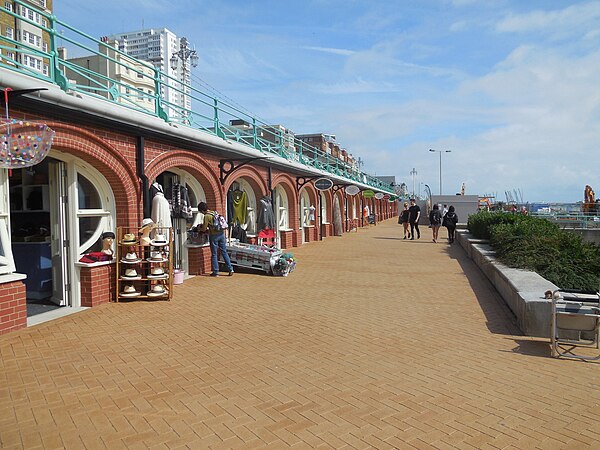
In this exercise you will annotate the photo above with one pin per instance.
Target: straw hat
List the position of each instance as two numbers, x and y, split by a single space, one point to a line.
131 258
158 290
159 240
158 273
129 238
156 257
147 223
131 274
130 291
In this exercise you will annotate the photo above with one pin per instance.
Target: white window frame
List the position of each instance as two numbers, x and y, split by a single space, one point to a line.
323 211
107 213
7 262
304 209
281 208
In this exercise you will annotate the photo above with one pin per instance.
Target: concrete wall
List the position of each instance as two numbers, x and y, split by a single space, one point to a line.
523 291
464 205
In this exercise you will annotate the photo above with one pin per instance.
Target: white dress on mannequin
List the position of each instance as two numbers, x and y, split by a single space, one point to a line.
161 213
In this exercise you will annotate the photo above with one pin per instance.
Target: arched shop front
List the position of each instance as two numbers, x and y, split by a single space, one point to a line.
242 210
183 192
58 209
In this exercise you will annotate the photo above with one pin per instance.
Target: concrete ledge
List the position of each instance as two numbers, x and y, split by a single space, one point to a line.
522 290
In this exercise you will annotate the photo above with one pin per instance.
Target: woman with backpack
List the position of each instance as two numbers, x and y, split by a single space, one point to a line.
216 225
435 221
450 221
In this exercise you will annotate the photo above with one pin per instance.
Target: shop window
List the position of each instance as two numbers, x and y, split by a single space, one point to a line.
323 207
94 212
88 195
281 209
7 264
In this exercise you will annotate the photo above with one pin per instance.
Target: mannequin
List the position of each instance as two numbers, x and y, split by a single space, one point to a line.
108 237
147 226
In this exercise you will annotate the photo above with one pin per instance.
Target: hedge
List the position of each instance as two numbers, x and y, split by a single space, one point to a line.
536 244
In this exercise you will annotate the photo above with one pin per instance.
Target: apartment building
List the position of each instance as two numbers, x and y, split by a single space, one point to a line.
159 46
112 75
21 24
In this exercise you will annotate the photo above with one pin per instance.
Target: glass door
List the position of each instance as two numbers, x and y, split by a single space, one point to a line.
59 232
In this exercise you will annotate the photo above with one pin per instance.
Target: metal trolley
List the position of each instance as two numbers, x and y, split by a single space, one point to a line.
575 323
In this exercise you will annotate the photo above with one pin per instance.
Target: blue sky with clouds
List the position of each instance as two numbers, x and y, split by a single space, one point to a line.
511 87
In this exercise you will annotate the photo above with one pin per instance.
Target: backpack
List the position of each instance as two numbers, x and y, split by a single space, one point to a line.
219 223
450 219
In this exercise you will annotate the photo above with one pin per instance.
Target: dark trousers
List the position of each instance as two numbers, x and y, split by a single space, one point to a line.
451 233
414 226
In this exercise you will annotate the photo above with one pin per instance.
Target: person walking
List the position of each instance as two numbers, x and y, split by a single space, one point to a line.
449 221
435 221
403 219
414 212
216 238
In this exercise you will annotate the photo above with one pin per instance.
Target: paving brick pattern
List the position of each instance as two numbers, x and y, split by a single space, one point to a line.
373 342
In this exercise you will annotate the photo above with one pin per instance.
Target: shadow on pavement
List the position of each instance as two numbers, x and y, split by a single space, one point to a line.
532 348
499 318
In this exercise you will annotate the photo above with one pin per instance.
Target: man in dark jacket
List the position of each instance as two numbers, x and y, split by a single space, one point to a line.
414 212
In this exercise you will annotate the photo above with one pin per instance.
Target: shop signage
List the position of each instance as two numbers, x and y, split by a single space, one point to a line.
379 195
368 194
323 184
386 197
352 189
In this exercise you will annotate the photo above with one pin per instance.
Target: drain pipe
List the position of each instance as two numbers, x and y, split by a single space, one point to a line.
141 173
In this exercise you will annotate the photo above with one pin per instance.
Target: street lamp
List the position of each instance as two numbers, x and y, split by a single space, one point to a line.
413 173
440 152
184 54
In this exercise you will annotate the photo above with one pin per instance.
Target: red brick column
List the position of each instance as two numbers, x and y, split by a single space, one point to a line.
287 238
199 260
310 234
297 238
98 284
13 306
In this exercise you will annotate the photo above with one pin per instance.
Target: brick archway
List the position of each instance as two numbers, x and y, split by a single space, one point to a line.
288 184
256 177
197 167
108 161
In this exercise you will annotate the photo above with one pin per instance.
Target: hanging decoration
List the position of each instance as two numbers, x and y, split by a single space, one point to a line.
23 143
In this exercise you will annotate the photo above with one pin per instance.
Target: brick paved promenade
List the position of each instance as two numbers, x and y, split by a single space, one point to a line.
373 342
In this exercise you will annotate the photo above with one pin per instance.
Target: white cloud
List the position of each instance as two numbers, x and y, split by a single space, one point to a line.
567 19
335 51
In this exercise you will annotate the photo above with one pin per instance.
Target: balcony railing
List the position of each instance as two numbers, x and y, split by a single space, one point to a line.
77 62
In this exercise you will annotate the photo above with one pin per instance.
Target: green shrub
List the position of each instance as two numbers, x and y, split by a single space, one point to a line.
539 245
479 224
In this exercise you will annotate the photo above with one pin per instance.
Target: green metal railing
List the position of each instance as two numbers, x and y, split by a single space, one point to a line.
95 68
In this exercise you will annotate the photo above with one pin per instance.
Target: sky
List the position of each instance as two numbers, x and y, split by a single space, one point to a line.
510 87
